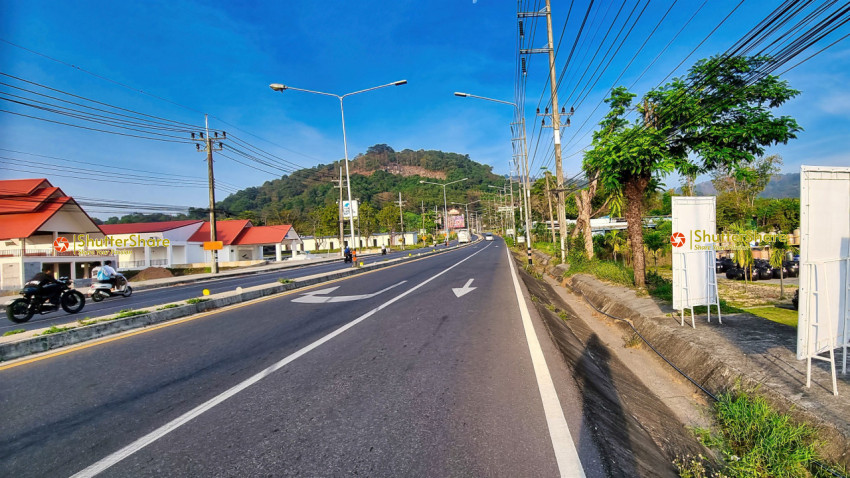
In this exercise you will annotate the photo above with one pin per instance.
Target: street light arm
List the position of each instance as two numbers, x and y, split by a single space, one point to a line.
280 87
395 83
467 95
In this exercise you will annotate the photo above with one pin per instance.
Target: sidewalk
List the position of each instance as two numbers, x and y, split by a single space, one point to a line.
744 349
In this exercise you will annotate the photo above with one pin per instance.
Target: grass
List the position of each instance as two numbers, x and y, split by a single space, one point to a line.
123 313
776 314
605 270
196 300
755 441
662 288
56 330
284 281
13 332
168 306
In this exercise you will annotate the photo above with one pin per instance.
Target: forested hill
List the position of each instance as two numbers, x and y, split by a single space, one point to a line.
376 177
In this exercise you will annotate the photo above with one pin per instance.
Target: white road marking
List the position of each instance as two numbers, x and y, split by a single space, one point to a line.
169 427
317 297
462 291
562 442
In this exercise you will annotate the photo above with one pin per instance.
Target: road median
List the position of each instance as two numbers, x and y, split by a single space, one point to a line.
92 328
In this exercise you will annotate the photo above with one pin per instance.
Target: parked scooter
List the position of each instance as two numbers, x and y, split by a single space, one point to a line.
101 289
41 298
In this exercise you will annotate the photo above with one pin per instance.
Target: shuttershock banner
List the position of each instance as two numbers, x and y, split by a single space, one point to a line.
457 222
693 216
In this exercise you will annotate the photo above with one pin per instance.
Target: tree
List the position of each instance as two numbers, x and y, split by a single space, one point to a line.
367 220
656 244
615 241
743 251
388 218
717 117
778 251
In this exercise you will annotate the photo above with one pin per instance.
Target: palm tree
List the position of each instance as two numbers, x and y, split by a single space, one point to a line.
615 241
778 251
743 252
655 243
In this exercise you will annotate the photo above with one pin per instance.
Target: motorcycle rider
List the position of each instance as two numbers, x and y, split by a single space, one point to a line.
45 281
111 274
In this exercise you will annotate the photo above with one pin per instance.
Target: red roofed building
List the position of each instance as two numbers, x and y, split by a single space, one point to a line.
38 224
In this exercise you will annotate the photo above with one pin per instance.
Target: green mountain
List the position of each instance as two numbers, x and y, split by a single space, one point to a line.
780 186
377 177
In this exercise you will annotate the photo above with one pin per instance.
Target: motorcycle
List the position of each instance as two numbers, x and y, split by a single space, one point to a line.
101 289
348 257
45 298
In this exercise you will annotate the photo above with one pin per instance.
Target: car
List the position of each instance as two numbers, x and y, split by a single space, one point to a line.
488 236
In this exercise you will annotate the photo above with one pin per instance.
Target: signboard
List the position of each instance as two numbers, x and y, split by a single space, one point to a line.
824 306
505 208
457 222
349 208
213 245
694 280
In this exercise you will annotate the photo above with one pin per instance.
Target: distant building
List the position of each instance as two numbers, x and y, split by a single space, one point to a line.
38 223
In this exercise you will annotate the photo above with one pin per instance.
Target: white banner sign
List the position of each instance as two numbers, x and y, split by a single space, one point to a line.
824 305
349 207
693 262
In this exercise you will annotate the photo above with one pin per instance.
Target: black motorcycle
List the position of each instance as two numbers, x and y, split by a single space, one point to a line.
43 298
348 257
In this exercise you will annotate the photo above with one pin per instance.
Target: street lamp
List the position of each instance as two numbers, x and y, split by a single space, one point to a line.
445 208
281 88
466 205
524 154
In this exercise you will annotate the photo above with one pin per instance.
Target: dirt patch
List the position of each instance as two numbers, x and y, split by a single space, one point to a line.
152 273
751 294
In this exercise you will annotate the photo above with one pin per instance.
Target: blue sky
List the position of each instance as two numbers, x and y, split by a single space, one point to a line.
219 58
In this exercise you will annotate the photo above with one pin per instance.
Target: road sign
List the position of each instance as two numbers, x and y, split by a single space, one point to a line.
505 209
349 208
213 245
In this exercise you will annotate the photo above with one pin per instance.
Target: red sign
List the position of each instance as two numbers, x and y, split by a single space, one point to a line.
677 239
60 244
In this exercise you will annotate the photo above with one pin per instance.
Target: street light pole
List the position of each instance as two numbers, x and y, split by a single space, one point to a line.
524 153
281 88
445 207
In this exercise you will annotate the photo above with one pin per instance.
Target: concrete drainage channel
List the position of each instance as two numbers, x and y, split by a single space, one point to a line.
98 327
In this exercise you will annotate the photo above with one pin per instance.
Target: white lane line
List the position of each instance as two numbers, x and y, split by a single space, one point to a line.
565 449
169 427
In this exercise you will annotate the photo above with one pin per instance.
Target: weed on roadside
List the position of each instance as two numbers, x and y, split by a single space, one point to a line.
196 300
755 441
168 306
534 298
551 307
13 332
563 315
695 467
56 330
128 313
632 342
284 281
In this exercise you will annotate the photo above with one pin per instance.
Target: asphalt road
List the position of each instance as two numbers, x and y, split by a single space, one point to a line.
154 297
389 374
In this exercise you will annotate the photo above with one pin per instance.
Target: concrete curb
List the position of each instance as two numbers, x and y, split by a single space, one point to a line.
717 370
109 326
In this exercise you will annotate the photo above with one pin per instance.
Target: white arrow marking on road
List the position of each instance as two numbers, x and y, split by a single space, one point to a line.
462 291
316 297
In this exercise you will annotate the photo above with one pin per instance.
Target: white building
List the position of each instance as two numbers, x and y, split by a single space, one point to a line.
38 224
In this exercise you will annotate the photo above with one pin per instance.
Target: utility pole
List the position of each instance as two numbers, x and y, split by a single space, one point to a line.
549 199
340 221
209 147
556 119
401 215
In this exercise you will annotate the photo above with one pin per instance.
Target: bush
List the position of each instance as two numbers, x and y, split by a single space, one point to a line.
605 270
